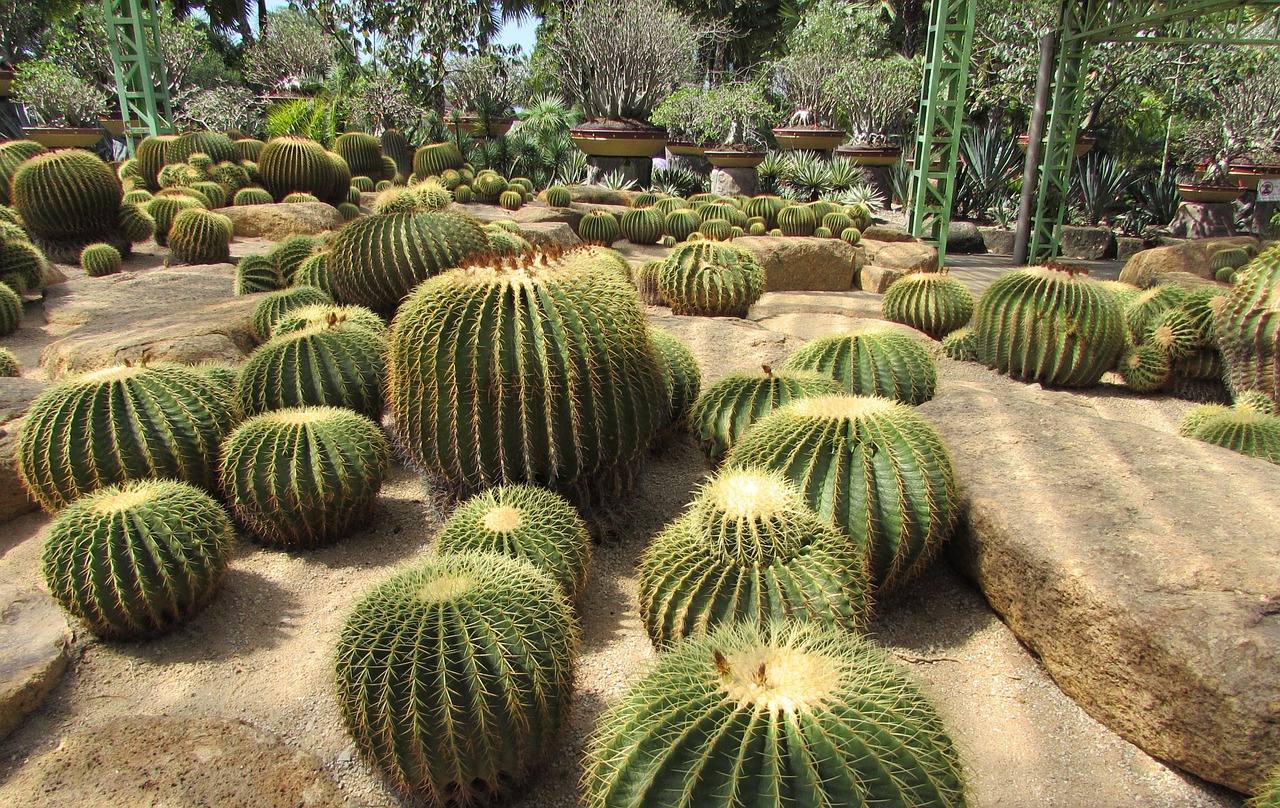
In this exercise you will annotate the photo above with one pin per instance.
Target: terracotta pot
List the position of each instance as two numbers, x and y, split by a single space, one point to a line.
808 137
598 141
1208 194
68 138
472 126
1248 176
870 156
732 158
6 83
684 147
1084 144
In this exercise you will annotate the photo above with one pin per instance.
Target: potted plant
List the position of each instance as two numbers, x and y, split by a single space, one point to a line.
726 122
874 99
810 126
481 91
66 107
291 60
1084 144
1243 120
684 114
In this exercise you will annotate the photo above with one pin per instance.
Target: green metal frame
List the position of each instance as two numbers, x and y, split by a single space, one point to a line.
133 36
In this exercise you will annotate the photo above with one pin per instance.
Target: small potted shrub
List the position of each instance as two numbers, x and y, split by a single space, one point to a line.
810 126
482 90
874 99
1243 121
66 106
726 123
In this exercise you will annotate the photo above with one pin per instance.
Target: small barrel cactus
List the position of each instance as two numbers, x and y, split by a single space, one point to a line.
289 254
9 366
256 273
119 424
836 449
302 478
960 345
488 187
314 271
872 360
137 560
749 549
348 211
1174 333
10 310
797 220
215 146
727 408
669 203
454 678
100 259
1249 325
599 227
716 229
558 196
711 280
822 232
276 304
152 157
305 317
1195 417
641 226
163 210
837 222
1145 368
680 374
681 222
1142 309
248 148
199 236
1248 432
134 224
793 714
525 522
766 207
646 278
14 153
329 363
511 200
1049 326
934 303
1254 401
1230 258
299 196
463 194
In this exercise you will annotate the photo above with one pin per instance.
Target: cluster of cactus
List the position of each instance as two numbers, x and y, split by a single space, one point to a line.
1171 338
164 208
789 714
9 365
137 560
932 302
120 424
726 409
454 678
1248 327
1225 263
100 259
200 236
301 478
535 368
275 305
711 280
872 360
488 186
23 266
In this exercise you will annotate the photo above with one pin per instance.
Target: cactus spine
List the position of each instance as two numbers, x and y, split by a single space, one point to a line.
711 280
872 360
934 303
256 273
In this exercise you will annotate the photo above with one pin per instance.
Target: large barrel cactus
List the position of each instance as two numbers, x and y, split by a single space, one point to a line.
872 360
362 154
711 280
1249 325
68 199
119 424
641 226
1246 431
434 159
727 408
599 227
137 560
289 164
301 478
454 678
791 715
680 373
526 522
215 145
872 466
932 302
1049 326
536 369
13 154
152 157
199 236
751 550
375 261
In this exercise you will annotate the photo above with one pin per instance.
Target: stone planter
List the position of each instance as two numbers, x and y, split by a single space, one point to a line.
472 126
1087 243
732 158
64 138
810 138
1248 176
684 148
1208 194
869 155
604 141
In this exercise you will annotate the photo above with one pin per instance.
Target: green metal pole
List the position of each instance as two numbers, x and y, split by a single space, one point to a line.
133 37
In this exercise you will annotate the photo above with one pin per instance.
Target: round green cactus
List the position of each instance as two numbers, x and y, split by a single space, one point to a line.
22 266
362 184
291 164
397 200
1201 364
119 424
275 305
100 259
1202 305
256 273
299 196
1145 368
836 449
1254 401
1174 333
751 550
377 260
1248 324
641 226
960 345
1226 275
681 222
724 411
302 478
10 310
436 158
872 360
489 186
454 678
67 199
289 254
1195 417
766 207
511 200
164 209
462 194
797 220
1248 432
305 317
253 196
680 374
724 210
711 279
362 153
151 156
837 222
1049 326
1143 308
599 227
792 714
314 271
199 236
224 376
716 229
1230 258
348 211
134 224
216 146
581 392
217 196
137 560
822 232
329 363
558 196
432 195
646 279
138 197
525 522
934 303
9 365
13 154
669 203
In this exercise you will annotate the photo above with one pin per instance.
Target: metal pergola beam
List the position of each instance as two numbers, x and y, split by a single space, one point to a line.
133 36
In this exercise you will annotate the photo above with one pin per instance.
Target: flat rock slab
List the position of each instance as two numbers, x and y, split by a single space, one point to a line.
531 213
725 345
173 761
809 315
278 221
908 256
805 264
16 396
184 314
33 655
549 234
1142 567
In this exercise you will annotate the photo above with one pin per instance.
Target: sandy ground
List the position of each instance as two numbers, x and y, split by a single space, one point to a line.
262 651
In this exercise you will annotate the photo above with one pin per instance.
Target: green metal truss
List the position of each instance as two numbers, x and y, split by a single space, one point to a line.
133 35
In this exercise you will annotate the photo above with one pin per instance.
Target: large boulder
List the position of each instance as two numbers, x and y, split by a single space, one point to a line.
806 264
279 221
178 314
549 234
34 637
998 240
1189 256
529 214
597 195
1141 567
16 396
877 279
908 256
1087 243
964 238
880 232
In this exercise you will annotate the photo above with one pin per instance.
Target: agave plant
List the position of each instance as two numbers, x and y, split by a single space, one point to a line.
678 182
990 162
615 181
1155 200
771 172
1098 187
862 194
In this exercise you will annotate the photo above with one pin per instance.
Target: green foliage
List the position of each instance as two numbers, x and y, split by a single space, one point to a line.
9 366
275 305
454 678
872 360
100 259
641 226
680 374
137 560
1249 432
327 364
725 410
711 280
56 96
729 114
788 714
10 310
198 236
934 303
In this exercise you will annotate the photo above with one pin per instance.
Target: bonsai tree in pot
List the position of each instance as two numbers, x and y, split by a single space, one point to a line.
65 107
1242 120
803 82
727 121
481 90
874 100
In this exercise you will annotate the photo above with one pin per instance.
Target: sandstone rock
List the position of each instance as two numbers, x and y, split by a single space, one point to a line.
809 315
597 195
999 240
34 637
179 314
638 254
16 396
1141 567
1188 256
1088 243
964 238
549 234
1129 246
814 264
277 222
143 760
725 345
906 256
529 214
879 232
583 208
877 279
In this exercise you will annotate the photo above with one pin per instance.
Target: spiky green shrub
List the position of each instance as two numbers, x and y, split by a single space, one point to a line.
1049 326
291 164
253 196
837 449
329 363
289 254
525 522
314 271
680 374
68 199
599 227
1248 432
322 313
9 365
275 305
362 153
1247 326
436 158
216 146
302 478
377 260
163 210
724 411
681 222
13 154
137 560
790 714
511 200
581 391
711 279
751 550
797 220
256 273
10 310
872 360
119 424
641 226
100 259
199 236
1145 368
454 678
934 303
558 196
960 345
